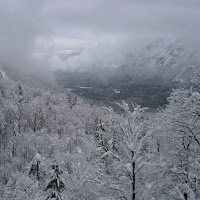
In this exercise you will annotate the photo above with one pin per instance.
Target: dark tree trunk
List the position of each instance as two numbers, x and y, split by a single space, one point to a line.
133 183
37 170
185 196
34 123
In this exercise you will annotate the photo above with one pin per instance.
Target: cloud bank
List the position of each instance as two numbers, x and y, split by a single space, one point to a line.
35 33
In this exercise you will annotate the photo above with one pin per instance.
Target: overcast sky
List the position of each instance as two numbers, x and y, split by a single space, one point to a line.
34 32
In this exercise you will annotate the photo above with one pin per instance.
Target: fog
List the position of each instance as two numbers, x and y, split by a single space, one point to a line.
33 34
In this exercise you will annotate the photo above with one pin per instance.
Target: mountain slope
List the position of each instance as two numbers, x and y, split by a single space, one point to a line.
145 78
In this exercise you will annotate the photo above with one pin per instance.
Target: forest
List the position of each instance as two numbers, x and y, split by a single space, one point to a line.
54 145
99 100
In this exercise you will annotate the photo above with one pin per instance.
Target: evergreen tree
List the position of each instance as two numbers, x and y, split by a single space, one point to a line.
56 184
37 168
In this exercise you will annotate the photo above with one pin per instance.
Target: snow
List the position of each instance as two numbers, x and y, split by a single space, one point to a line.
117 91
85 87
131 146
70 89
129 167
36 158
82 164
3 74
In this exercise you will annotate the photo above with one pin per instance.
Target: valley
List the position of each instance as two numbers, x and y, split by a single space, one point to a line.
146 79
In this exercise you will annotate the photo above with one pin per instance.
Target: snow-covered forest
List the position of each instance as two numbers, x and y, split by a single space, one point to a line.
99 100
53 145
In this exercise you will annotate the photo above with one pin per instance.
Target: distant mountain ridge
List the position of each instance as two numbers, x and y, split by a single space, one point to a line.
161 65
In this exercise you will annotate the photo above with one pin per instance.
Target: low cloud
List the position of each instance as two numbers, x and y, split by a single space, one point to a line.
34 33
20 26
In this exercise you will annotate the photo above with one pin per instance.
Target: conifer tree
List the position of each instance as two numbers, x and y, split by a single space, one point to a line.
37 168
56 184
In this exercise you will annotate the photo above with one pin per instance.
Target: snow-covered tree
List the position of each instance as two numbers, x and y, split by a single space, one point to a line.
182 148
132 135
72 100
37 168
56 184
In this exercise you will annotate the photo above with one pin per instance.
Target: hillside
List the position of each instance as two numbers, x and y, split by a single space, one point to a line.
41 127
53 145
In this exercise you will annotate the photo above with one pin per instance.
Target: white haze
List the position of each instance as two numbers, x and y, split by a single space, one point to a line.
34 33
